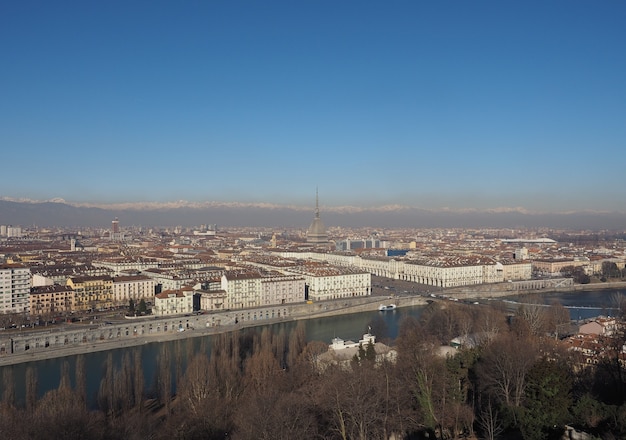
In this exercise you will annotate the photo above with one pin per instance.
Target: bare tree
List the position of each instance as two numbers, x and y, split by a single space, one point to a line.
164 377
81 379
503 366
31 388
558 319
297 342
489 422
138 380
618 301
105 392
260 369
8 387
490 322
196 387
355 403
534 315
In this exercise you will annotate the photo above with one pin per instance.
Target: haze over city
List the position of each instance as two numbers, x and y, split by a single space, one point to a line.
488 106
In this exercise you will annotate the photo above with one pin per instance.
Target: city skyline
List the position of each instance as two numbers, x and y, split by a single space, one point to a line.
482 107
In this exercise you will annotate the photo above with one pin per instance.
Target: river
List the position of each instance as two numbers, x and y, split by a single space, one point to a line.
347 327
582 305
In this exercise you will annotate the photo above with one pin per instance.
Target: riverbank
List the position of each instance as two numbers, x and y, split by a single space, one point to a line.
200 327
224 322
500 290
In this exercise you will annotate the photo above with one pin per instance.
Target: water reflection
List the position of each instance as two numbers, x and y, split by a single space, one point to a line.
347 327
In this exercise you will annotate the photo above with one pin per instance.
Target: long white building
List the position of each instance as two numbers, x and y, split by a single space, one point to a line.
249 289
441 272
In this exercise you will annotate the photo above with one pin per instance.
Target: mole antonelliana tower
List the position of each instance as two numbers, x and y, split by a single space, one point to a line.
317 230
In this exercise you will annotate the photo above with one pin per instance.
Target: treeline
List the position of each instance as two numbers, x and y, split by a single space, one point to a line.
516 381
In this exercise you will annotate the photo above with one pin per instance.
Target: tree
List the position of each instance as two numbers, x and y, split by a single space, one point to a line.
355 404
31 388
419 368
106 400
196 387
503 366
8 393
610 270
81 379
297 342
558 319
131 306
489 422
276 415
535 316
138 380
164 377
142 308
618 301
489 322
547 403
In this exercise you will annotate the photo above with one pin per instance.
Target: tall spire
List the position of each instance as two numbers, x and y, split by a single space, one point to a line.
317 230
317 205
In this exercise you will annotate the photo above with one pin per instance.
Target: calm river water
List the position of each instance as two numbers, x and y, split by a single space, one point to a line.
347 327
582 305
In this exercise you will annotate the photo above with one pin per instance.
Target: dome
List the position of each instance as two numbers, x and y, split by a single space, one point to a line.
317 231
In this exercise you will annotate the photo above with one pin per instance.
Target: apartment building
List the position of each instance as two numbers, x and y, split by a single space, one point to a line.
58 274
243 290
51 300
515 270
252 289
282 289
15 282
554 267
92 293
323 281
136 288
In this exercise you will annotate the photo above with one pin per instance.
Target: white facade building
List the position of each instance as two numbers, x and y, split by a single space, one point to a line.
136 288
15 283
280 289
246 290
440 272
517 271
173 302
14 231
332 282
212 300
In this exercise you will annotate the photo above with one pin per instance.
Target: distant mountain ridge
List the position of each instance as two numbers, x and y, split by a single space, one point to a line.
58 212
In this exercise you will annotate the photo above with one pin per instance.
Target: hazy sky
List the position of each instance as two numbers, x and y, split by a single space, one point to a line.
461 104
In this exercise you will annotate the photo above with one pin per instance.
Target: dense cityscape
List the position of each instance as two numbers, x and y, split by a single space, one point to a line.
167 272
67 292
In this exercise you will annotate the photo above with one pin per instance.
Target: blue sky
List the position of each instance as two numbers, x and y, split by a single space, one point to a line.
428 104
